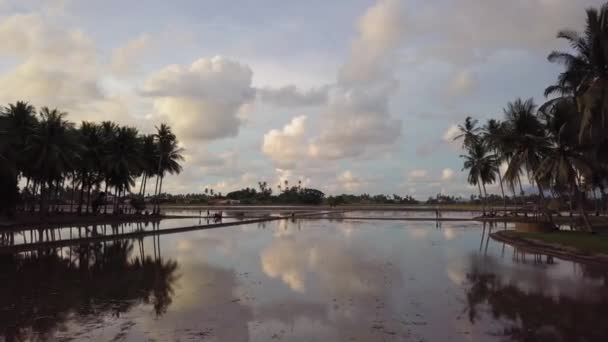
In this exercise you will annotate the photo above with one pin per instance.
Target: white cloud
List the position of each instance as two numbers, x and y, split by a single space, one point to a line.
418 175
357 119
125 58
447 175
291 96
463 83
450 133
286 146
202 101
470 30
56 67
61 68
381 31
349 181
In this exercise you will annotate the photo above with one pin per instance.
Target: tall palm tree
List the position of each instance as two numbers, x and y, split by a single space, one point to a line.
171 156
52 151
167 147
149 158
8 170
482 167
20 120
469 132
586 69
526 141
562 166
493 136
565 162
108 131
90 162
124 159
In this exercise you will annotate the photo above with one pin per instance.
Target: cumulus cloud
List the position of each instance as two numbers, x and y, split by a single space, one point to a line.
287 145
418 175
447 175
357 119
349 181
57 67
450 133
381 31
202 101
462 83
305 265
291 96
60 67
470 30
125 58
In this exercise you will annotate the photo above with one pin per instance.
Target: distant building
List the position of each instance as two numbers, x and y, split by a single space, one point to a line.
224 201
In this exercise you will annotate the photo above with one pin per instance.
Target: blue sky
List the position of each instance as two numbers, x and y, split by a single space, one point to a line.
347 96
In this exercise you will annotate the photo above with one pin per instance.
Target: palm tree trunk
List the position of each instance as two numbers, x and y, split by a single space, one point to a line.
521 190
143 180
81 199
60 190
143 193
73 193
483 206
546 212
581 207
27 184
486 196
89 196
603 199
160 188
105 202
502 191
43 208
115 206
596 202
155 194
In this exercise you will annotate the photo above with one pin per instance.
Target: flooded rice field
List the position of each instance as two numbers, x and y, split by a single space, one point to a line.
302 280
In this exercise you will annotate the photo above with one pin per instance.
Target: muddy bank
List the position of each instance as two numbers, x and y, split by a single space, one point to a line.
25 220
557 250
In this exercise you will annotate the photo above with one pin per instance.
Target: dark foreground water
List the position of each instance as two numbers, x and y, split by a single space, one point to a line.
308 280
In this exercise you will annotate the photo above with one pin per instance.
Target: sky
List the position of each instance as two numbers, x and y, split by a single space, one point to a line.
347 96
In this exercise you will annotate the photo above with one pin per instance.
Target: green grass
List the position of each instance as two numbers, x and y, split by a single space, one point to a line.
585 242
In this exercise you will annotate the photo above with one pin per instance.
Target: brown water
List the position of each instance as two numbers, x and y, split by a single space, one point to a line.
308 280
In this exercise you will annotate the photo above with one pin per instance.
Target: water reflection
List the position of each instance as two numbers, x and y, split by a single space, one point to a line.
40 291
300 280
533 314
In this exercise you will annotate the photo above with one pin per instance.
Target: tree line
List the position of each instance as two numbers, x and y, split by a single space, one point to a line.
50 155
561 147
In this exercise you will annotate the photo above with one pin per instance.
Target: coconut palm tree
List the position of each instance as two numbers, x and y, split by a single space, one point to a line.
108 131
167 147
562 166
124 159
493 137
526 141
90 162
469 132
565 161
482 167
52 151
8 170
20 120
149 158
586 69
171 156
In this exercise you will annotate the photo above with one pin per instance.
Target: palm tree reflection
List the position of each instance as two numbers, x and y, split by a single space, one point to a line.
41 291
536 314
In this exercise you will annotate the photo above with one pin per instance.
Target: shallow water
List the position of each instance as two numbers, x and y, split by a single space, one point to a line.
307 280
